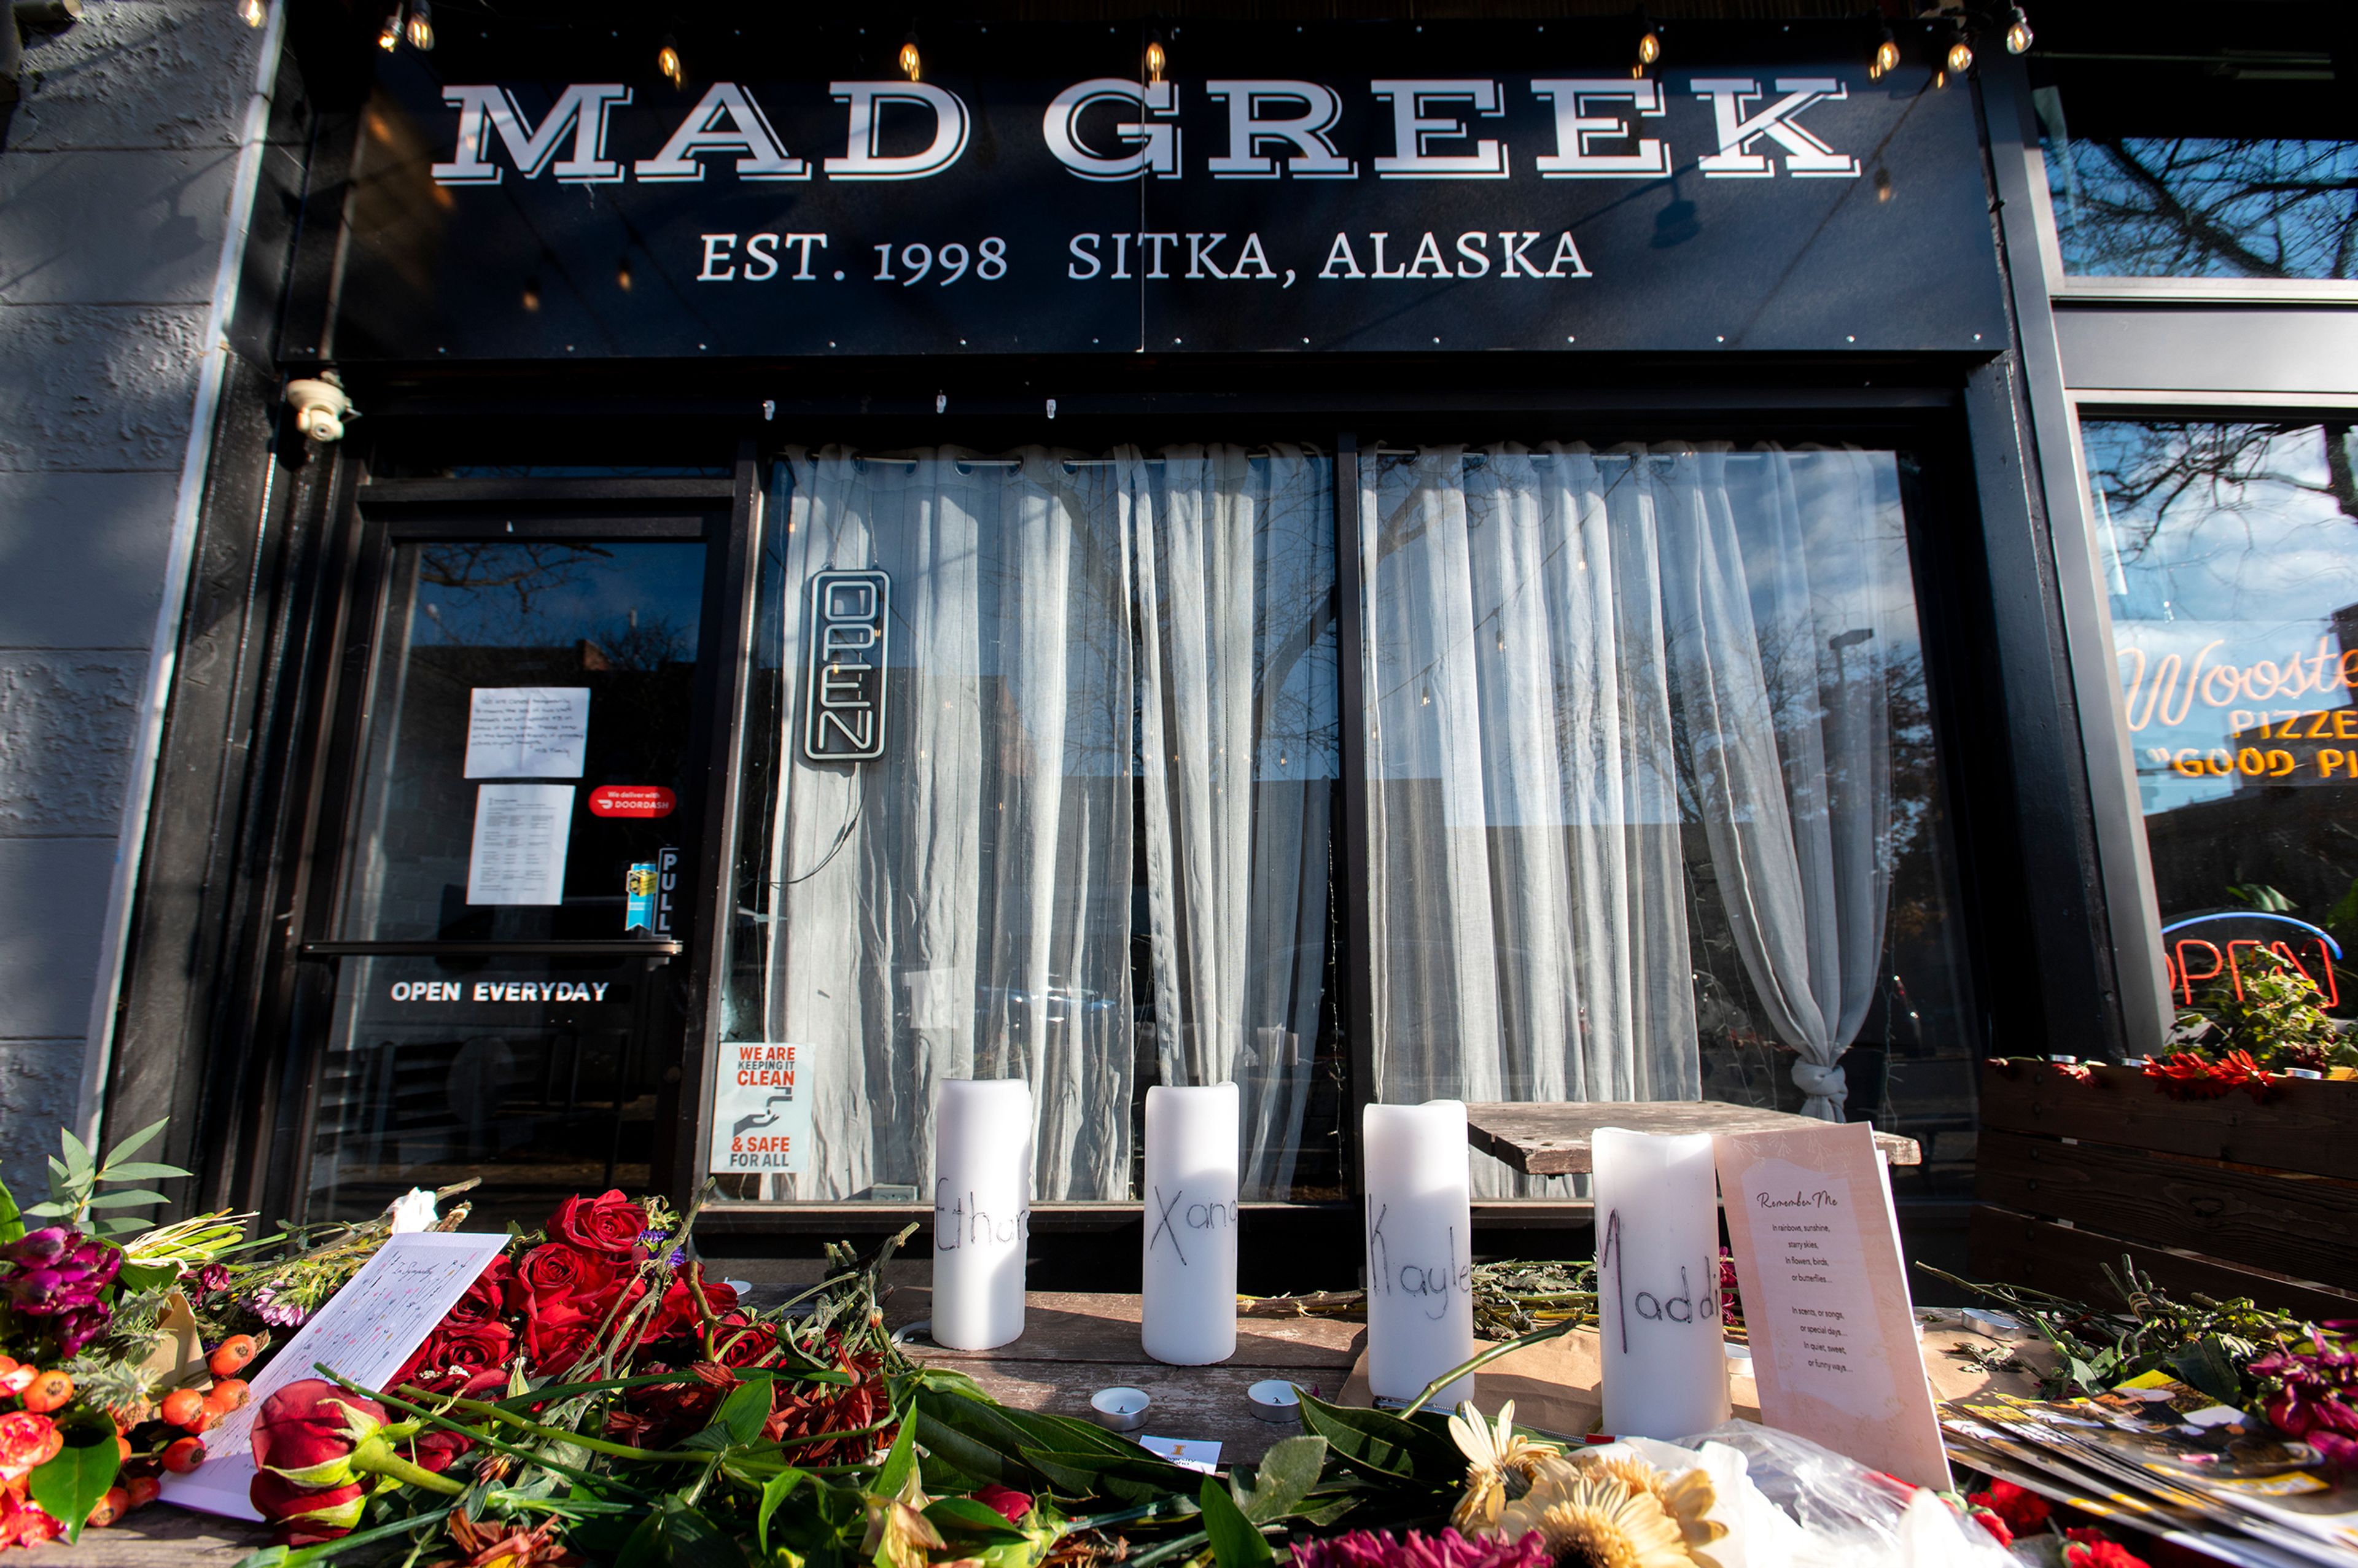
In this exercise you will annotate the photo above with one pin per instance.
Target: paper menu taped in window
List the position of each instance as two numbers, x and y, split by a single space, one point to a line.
527 731
366 1332
520 834
1834 1354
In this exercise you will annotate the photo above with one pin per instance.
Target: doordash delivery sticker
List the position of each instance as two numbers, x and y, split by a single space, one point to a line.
632 800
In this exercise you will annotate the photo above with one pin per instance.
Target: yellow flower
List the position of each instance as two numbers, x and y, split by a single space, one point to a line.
1593 1522
1686 1496
1499 1465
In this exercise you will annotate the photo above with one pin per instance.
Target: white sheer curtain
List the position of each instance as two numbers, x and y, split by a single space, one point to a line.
961 908
1238 741
1783 571
1525 895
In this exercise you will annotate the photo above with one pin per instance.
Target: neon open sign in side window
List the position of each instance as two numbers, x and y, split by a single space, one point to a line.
844 711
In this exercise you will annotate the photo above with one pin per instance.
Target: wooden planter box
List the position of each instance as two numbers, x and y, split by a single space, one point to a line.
2228 1196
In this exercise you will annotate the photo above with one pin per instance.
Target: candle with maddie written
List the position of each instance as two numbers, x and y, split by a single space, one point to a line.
982 1210
1188 1316
1659 1332
1419 1221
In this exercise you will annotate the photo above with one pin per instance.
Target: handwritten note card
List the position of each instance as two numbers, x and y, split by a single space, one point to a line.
527 731
1825 1296
365 1332
521 833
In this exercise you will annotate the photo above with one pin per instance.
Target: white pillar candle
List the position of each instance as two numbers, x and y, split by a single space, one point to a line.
982 1210
1420 1222
1665 1374
1189 1313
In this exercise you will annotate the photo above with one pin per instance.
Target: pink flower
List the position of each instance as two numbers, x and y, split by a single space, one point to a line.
1443 1548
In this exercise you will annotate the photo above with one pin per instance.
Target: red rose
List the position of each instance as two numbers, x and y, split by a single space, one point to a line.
2092 1549
1995 1526
306 1515
306 1432
462 1358
437 1448
486 1298
678 1313
26 1440
560 1273
552 1345
23 1523
1004 1500
609 1224
2021 1508
743 1344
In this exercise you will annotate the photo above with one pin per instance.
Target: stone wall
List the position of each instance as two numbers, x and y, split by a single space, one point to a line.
119 182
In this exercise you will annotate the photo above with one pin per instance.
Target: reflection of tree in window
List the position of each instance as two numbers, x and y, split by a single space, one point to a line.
2147 474
503 581
2203 207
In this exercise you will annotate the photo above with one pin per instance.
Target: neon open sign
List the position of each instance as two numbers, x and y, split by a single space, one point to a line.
844 713
2183 952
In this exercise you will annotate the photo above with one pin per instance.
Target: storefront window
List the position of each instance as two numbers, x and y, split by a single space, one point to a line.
1652 807
2231 555
2129 203
1093 848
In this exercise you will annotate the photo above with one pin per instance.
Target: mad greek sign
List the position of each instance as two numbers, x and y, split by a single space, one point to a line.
1449 187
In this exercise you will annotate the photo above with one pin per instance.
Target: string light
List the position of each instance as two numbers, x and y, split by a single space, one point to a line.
389 39
252 13
531 294
909 61
1886 55
622 279
1961 57
667 62
420 31
2019 35
1649 42
1154 60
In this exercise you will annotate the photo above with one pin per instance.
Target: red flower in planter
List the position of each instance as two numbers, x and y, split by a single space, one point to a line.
610 1225
2186 1076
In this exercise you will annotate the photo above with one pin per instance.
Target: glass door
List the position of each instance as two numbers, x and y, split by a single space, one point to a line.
502 989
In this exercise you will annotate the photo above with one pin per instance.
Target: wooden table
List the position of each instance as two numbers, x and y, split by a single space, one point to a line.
1553 1139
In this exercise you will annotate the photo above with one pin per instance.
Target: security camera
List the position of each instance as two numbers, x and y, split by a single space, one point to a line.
321 406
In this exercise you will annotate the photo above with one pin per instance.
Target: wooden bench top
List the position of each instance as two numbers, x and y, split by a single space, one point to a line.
1553 1139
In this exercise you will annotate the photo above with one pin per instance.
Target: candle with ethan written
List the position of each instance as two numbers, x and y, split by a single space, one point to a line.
982 1210
1658 1331
1188 1316
1420 1222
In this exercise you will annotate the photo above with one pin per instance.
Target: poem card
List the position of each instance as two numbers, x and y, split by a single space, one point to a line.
527 731
365 1332
1825 1296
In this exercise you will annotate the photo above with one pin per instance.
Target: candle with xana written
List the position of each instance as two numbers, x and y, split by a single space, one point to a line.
982 1210
1189 1314
1420 1222
1659 1333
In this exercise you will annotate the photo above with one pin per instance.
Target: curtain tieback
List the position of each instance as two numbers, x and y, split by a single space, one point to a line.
1823 1080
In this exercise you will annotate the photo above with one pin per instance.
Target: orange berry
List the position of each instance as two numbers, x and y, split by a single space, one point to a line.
122 1444
144 1489
231 1355
230 1393
47 1391
183 1454
111 1506
184 1406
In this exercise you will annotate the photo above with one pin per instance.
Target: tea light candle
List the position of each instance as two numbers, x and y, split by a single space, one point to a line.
1659 1333
982 1210
1188 1315
1119 1409
1275 1399
1420 1226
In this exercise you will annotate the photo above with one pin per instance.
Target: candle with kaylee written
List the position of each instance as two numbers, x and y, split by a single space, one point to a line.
1189 1312
1659 1333
982 1210
1419 1267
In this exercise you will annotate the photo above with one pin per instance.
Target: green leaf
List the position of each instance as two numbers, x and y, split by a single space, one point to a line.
50 1210
2204 1364
139 1197
136 1278
1235 1543
963 1516
136 1140
970 1454
1326 1513
643 1548
77 1159
774 1492
70 1486
12 1223
1286 1475
899 1463
744 1412
142 1171
1380 1446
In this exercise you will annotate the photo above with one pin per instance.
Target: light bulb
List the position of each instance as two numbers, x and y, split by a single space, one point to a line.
1960 58
909 61
1886 55
389 39
420 31
1649 48
1154 58
532 294
252 13
667 62
623 275
2019 35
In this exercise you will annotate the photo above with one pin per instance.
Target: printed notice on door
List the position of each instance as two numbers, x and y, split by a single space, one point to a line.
527 731
1825 1296
761 1109
520 831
